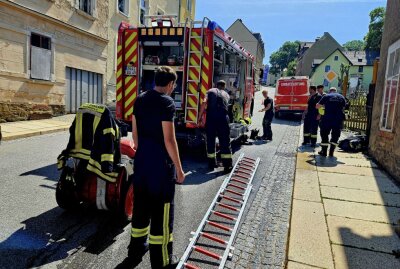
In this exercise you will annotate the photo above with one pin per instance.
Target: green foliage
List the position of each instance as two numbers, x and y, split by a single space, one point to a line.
374 36
291 69
281 58
354 45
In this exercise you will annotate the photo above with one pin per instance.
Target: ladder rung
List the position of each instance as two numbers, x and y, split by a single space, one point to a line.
193 51
190 266
228 207
222 215
247 169
243 172
244 162
220 226
191 80
194 66
239 181
214 238
231 199
207 253
195 37
247 158
234 192
236 186
236 175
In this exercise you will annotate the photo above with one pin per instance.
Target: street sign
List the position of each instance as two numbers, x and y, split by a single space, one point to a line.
330 76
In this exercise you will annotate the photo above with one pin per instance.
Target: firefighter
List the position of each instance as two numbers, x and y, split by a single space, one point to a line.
268 116
311 118
217 125
157 167
320 90
332 121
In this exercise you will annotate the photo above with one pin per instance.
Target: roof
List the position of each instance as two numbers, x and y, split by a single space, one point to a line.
317 61
306 44
361 58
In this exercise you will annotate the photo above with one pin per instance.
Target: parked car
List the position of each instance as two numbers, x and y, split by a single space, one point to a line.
291 95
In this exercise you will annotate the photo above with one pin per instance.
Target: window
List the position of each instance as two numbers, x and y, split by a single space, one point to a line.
189 5
391 87
336 58
359 60
360 69
144 10
41 56
327 68
123 6
326 83
87 6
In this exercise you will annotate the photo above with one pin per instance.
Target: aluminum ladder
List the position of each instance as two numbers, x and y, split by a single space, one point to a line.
231 197
200 38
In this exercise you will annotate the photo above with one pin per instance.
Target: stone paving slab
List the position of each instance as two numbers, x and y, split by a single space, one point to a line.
361 171
363 234
361 196
361 211
309 241
345 161
304 161
378 184
296 265
349 155
353 258
306 185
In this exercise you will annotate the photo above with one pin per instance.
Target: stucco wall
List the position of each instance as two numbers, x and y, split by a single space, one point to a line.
70 48
384 145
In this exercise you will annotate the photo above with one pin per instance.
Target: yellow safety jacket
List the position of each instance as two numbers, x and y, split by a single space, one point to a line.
94 137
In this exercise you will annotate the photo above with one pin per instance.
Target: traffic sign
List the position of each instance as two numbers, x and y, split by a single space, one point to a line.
330 76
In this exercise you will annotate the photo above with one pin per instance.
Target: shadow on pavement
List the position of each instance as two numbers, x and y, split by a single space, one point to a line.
49 172
52 235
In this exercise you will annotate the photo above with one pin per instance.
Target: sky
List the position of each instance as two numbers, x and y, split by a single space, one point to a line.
289 20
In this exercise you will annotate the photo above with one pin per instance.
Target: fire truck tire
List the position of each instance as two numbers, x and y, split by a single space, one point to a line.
66 194
126 200
278 115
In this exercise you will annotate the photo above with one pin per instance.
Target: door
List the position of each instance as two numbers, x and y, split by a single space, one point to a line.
299 95
82 87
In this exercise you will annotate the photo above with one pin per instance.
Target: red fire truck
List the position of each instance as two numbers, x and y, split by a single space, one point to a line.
201 53
291 95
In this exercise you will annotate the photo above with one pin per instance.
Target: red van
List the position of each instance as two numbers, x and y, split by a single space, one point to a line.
291 95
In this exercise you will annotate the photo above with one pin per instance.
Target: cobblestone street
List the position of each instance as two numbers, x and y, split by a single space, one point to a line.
261 242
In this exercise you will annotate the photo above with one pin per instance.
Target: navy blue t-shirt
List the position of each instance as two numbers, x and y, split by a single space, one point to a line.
334 105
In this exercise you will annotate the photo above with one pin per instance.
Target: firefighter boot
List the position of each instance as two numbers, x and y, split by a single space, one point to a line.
323 151
331 150
212 163
134 257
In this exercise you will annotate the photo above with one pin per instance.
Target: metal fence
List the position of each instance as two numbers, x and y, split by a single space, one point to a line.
357 116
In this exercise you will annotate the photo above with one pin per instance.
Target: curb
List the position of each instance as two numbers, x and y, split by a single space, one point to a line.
33 133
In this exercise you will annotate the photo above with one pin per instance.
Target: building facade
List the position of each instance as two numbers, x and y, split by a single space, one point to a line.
250 41
384 143
310 52
53 56
58 54
360 71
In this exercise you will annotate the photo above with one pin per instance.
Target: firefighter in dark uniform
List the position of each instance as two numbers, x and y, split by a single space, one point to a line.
217 125
320 90
311 118
332 121
157 167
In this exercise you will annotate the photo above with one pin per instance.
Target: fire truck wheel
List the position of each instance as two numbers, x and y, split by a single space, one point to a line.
66 193
278 115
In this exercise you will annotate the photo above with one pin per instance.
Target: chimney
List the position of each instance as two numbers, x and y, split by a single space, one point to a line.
318 38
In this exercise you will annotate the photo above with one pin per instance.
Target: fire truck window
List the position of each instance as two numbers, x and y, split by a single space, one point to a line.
165 55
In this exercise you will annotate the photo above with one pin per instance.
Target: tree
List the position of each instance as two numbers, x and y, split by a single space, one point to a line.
354 45
281 58
374 36
291 69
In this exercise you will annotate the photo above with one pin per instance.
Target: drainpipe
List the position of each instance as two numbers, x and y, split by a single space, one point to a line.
179 11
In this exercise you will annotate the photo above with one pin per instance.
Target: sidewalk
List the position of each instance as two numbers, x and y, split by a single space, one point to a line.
23 129
344 213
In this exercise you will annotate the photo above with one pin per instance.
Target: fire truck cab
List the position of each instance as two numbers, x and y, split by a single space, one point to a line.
201 53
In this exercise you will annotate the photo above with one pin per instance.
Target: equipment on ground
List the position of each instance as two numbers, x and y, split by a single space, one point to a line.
201 53
354 143
79 185
223 216
291 95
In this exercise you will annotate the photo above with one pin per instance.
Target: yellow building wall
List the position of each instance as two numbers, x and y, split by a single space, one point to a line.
71 47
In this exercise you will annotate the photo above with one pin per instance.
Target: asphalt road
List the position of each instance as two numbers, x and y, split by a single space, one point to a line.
35 232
